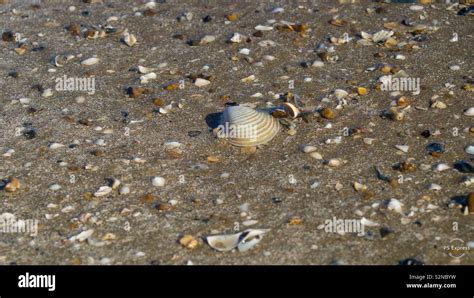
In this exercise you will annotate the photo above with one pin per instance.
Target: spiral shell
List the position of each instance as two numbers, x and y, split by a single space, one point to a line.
246 127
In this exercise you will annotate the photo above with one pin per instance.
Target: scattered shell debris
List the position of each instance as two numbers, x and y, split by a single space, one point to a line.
130 131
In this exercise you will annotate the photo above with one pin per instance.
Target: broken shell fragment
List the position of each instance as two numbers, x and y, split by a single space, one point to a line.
243 241
246 127
90 61
13 185
149 76
144 70
469 112
103 191
291 109
381 36
129 39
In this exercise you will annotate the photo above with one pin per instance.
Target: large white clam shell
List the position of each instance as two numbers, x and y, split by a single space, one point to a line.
246 127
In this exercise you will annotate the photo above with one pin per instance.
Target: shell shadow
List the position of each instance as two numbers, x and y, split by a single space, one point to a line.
213 120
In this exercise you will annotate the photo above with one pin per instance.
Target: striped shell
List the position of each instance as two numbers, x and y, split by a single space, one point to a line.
263 126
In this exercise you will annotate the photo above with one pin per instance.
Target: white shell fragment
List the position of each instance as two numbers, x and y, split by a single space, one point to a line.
236 38
207 39
381 36
90 61
340 94
158 181
403 148
103 191
395 205
144 70
469 149
263 28
246 127
469 112
291 109
129 39
308 148
201 82
441 167
149 76
82 236
56 145
368 223
243 241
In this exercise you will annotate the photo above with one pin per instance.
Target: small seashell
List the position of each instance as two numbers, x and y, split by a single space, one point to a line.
291 109
144 70
149 76
368 141
56 145
103 191
242 241
454 67
246 127
188 241
54 187
469 149
263 28
47 92
434 187
441 167
244 51
467 181
236 38
90 61
340 94
334 162
394 114
232 17
172 145
59 60
328 113
248 79
201 82
416 7
158 181
207 39
381 36
12 185
25 100
359 187
317 64
124 190
278 10
403 148
469 112
395 205
129 39
316 155
368 223
82 236
308 148
267 43
366 35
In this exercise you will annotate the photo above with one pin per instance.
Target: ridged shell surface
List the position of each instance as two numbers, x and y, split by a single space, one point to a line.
260 126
